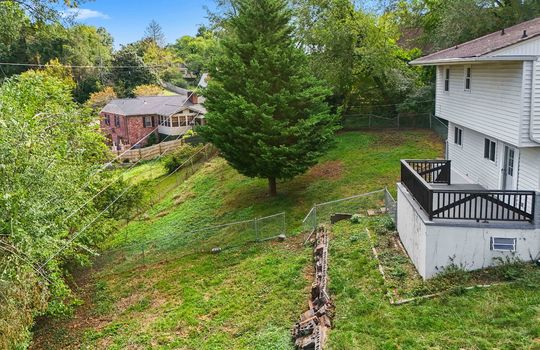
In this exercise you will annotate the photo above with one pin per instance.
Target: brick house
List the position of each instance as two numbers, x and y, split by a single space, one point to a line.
129 122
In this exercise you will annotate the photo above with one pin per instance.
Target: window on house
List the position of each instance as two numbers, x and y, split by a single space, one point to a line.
468 78
117 121
147 121
489 149
447 79
107 119
175 122
458 136
503 244
510 165
165 121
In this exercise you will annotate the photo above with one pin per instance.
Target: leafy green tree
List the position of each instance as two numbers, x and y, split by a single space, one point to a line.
130 71
164 62
441 23
99 99
267 114
48 149
148 90
197 52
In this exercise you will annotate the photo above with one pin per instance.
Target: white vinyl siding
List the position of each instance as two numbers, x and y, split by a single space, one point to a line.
468 160
529 47
529 169
534 108
526 105
492 106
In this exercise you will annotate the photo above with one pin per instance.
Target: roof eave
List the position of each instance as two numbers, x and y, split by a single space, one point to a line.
458 60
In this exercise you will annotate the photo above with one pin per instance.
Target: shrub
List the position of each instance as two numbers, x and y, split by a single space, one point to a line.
356 219
152 140
509 268
174 160
387 222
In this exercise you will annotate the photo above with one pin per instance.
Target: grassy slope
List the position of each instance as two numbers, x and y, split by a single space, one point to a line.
501 317
244 298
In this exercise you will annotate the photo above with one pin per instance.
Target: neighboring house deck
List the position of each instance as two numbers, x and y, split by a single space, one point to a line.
481 203
129 122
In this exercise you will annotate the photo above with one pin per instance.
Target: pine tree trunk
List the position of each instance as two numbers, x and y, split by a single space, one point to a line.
272 187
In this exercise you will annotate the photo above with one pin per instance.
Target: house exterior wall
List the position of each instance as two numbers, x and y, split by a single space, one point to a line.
468 159
412 230
492 105
432 247
533 115
184 120
137 130
130 130
470 247
529 169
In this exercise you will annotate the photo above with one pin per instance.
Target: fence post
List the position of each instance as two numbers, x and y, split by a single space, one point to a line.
284 228
398 121
369 122
430 121
256 224
315 217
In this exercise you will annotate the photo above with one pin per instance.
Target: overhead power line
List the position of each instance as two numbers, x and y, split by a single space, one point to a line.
70 241
38 65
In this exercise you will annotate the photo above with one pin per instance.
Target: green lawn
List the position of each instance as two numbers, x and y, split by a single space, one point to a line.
243 298
506 316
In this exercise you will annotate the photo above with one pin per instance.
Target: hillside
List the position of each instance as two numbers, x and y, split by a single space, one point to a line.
502 314
243 298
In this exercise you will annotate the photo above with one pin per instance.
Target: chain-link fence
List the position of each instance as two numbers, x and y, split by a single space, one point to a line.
204 240
391 205
184 171
364 204
374 121
400 121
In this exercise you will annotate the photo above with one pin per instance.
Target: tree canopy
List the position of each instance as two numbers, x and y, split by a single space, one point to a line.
267 113
154 33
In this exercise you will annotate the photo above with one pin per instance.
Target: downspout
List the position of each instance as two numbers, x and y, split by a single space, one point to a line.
531 112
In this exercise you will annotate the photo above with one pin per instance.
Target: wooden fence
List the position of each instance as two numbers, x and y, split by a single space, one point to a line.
148 153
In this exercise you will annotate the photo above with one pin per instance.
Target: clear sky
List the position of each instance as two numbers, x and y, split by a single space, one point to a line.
126 20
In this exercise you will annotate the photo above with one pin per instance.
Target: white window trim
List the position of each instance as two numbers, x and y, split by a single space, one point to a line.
465 78
512 246
444 79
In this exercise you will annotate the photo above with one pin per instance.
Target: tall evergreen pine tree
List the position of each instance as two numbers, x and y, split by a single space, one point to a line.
266 113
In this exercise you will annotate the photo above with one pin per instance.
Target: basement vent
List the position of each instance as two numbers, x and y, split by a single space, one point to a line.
503 244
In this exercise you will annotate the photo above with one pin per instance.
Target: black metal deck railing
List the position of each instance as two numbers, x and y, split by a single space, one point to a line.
448 203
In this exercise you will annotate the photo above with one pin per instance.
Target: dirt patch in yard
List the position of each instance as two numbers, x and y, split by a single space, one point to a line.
330 170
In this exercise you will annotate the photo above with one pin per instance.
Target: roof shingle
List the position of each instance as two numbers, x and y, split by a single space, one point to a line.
486 44
151 105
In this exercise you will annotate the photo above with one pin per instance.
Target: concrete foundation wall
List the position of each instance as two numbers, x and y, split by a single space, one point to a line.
434 245
470 247
412 230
